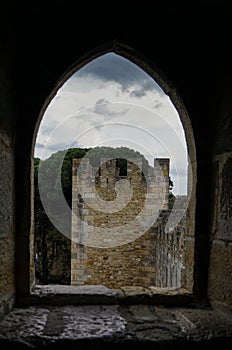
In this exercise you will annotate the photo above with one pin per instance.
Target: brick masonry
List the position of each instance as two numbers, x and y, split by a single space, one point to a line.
124 247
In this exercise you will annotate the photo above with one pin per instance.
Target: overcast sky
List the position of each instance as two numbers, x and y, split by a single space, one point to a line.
112 102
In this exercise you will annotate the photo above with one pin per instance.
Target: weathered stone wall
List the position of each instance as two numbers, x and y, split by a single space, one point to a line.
220 269
7 189
7 288
52 256
220 274
151 256
170 253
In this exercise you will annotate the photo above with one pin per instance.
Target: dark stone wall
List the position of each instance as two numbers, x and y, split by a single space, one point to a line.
7 184
188 43
220 273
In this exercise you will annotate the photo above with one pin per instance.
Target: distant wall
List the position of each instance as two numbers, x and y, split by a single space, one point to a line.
52 255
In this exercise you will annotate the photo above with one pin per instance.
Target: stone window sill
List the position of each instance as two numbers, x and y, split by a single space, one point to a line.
97 295
113 326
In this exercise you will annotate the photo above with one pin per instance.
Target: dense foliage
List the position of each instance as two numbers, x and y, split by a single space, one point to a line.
51 166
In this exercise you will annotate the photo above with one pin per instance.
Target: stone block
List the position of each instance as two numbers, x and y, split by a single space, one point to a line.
220 272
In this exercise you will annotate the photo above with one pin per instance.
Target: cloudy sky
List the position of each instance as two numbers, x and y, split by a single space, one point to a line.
112 102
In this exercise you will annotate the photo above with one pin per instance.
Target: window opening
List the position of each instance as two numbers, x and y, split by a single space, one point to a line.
113 140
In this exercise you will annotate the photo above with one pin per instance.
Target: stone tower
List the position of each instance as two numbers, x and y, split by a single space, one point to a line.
101 260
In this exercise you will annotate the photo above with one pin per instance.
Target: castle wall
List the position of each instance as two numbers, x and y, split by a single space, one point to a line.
126 246
52 257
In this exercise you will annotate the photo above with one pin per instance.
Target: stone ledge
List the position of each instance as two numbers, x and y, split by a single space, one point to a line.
112 326
101 295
